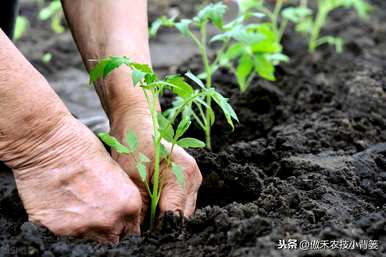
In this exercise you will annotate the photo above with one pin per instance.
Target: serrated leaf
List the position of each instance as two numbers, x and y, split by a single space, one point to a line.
165 129
163 152
246 5
212 12
244 69
113 143
183 26
137 76
264 67
179 173
162 21
227 109
113 63
296 14
195 79
142 67
141 168
132 141
143 158
180 88
189 142
182 127
97 71
233 52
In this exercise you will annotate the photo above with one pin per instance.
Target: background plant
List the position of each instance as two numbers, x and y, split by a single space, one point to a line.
245 49
170 128
308 21
53 12
311 23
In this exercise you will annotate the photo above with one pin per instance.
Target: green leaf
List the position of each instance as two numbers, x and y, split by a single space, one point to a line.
195 79
113 143
212 12
141 67
199 101
137 76
179 173
132 141
97 71
189 142
246 5
270 43
180 88
183 26
244 69
182 127
142 171
115 62
162 21
232 52
276 58
296 14
222 102
245 35
143 158
165 129
264 67
334 41
105 66
163 152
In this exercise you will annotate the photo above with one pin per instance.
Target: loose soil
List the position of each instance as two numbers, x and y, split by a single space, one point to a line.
306 162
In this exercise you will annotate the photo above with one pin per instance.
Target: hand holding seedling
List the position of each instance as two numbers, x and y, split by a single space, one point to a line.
125 102
173 197
65 177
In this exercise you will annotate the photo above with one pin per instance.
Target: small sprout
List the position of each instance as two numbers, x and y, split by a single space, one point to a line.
169 127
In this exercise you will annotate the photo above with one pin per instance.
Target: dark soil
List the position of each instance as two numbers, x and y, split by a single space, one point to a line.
307 162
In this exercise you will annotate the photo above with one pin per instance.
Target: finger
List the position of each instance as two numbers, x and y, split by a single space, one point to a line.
132 227
173 197
190 205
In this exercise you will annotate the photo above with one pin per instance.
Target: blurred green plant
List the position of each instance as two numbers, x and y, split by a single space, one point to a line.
308 21
21 27
53 12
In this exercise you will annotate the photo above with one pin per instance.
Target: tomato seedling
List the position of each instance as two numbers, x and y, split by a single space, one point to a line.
311 24
246 49
166 128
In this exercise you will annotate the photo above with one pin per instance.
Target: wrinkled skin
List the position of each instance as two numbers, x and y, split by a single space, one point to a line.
73 187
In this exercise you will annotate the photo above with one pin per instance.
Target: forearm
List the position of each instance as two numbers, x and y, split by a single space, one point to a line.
24 93
111 28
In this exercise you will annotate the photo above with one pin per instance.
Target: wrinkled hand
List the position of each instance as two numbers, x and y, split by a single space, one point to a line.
173 196
69 183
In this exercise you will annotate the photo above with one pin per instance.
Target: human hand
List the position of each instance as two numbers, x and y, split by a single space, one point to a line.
173 196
